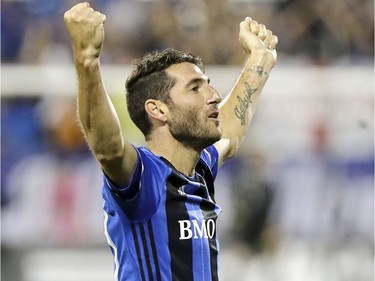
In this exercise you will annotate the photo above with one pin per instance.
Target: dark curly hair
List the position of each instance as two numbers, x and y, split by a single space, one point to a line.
149 80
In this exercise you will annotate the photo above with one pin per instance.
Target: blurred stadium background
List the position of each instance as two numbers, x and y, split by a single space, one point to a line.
298 200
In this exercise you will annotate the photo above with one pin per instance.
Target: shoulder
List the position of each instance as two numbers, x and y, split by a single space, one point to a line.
148 168
149 160
210 159
140 199
210 156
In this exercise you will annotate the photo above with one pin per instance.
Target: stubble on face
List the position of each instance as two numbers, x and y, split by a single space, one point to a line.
188 128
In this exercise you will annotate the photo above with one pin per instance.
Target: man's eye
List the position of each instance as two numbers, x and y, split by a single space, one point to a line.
195 89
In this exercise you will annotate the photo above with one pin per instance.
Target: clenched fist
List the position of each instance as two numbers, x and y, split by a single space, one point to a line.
256 37
86 29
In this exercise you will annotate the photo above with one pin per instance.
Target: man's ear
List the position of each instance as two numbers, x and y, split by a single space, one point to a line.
156 109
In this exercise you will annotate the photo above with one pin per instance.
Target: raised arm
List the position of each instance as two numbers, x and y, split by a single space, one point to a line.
237 109
96 113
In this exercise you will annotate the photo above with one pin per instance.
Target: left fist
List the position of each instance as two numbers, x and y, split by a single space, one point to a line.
255 37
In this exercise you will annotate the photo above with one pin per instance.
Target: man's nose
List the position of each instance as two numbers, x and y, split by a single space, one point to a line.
215 96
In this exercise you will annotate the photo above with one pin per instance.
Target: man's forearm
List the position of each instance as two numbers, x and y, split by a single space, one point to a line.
96 113
238 108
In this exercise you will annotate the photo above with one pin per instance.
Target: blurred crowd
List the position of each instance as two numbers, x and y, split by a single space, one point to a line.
318 31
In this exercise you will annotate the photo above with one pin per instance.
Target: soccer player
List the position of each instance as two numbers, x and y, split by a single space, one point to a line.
160 210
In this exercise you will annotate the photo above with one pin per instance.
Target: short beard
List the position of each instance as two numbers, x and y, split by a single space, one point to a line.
187 129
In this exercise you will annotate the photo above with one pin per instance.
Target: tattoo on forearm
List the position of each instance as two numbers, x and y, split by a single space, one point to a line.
244 103
258 70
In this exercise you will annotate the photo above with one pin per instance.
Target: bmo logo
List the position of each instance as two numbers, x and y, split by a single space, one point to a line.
194 229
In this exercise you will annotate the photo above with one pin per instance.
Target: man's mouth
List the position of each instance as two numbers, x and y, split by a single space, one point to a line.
214 115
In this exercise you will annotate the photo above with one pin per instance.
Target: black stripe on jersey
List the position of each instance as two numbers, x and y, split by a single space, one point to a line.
209 213
203 170
145 252
181 251
154 253
134 232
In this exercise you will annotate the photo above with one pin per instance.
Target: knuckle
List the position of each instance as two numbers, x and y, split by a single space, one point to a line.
242 24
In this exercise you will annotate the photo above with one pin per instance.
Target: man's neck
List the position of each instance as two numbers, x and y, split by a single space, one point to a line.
183 158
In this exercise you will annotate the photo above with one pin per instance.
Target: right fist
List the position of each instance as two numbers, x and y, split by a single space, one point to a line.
86 29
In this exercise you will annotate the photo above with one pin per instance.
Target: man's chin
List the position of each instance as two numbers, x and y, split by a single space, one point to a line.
220 134
217 138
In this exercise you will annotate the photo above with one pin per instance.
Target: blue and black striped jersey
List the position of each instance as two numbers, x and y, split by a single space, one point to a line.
163 225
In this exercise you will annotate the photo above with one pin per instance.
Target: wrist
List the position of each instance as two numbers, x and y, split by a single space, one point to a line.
260 63
264 58
86 57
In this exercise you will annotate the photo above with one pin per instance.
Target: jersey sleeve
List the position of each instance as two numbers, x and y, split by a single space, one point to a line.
130 191
140 199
